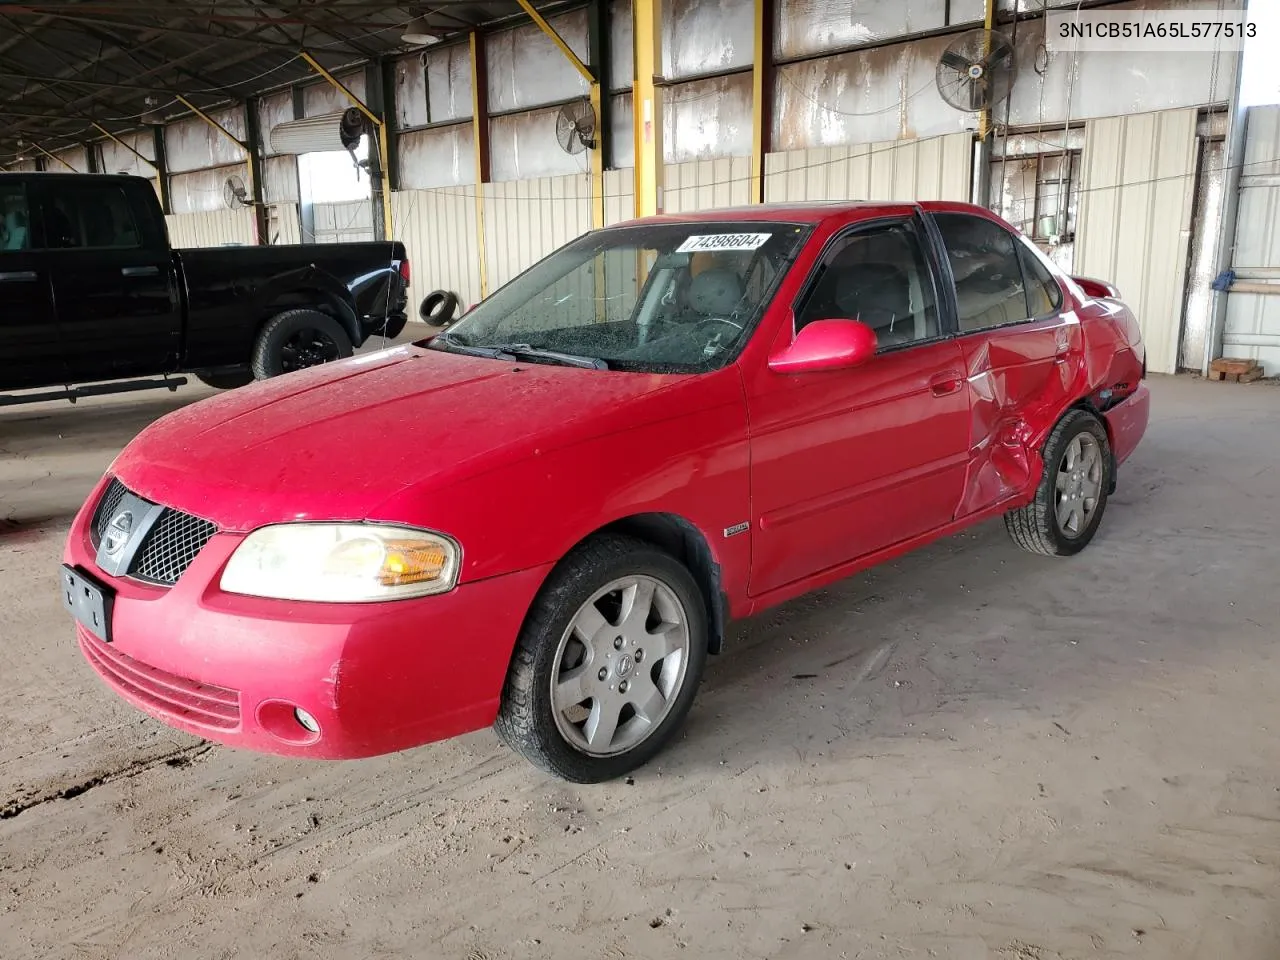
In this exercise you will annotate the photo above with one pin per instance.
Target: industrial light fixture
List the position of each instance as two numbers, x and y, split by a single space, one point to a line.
420 32
152 116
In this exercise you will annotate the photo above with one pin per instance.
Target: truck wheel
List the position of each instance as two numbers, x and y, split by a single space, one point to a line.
1072 494
297 339
226 379
607 663
438 307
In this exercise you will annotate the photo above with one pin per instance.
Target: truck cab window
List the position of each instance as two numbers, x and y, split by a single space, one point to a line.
88 216
15 220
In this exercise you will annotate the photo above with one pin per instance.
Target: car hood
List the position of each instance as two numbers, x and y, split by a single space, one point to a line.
335 442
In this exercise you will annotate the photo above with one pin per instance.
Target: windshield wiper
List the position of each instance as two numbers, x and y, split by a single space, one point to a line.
520 351
526 351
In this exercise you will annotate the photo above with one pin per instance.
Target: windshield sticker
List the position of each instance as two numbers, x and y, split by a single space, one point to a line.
724 241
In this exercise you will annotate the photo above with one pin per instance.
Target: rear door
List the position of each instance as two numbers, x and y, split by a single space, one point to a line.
1017 349
30 349
113 276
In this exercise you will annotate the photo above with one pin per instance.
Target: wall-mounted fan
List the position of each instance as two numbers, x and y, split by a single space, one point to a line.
235 194
975 71
576 126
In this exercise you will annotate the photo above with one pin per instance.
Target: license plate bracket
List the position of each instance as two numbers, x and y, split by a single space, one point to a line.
88 601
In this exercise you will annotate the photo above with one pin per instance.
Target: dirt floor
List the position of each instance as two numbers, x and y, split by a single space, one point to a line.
969 753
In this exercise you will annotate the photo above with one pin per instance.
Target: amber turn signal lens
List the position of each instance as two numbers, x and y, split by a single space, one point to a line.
408 561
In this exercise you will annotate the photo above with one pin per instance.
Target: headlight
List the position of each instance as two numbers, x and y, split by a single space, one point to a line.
342 563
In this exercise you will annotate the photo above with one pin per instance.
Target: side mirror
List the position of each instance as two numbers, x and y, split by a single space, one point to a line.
1097 288
826 345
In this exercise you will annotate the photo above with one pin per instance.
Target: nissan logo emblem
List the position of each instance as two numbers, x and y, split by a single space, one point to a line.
118 532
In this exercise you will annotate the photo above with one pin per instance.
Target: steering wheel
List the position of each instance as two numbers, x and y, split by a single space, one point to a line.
733 323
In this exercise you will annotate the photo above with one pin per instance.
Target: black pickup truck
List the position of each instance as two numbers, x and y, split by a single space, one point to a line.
91 291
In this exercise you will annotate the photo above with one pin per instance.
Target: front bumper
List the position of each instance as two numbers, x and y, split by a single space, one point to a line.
375 677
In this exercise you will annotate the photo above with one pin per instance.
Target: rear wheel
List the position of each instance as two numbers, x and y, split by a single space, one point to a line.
608 662
1072 494
297 339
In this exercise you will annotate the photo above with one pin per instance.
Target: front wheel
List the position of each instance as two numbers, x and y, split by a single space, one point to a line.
608 662
1072 494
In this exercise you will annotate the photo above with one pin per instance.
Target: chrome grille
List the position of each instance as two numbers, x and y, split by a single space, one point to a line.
111 498
171 546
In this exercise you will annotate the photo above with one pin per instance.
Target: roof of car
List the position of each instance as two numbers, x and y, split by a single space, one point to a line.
810 211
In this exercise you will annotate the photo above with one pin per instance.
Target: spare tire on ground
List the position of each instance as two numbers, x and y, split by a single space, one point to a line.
438 307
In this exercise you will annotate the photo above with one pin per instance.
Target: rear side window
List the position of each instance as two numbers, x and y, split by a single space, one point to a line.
90 216
15 218
987 271
1043 293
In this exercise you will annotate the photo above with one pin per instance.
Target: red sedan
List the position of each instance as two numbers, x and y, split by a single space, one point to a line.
544 518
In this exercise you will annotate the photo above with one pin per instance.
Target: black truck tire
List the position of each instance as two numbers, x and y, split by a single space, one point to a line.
297 339
438 307
226 379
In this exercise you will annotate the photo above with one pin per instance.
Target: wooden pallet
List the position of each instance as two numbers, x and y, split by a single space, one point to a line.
1235 369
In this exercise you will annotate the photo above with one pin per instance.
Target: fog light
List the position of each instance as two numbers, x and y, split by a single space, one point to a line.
306 720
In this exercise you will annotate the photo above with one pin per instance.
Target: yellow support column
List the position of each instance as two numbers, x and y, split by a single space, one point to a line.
646 104
480 139
989 24
761 96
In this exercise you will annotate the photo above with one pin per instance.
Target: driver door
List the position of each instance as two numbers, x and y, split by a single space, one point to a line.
848 462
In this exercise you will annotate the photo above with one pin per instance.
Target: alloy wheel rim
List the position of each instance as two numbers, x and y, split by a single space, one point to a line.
307 348
1078 485
619 666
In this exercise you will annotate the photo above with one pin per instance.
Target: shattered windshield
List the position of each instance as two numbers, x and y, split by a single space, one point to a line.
671 297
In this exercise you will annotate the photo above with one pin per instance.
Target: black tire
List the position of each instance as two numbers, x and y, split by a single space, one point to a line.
1036 527
297 339
438 307
226 379
525 719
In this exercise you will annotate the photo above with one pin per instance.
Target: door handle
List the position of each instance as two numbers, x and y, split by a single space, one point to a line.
151 271
17 276
1062 353
945 383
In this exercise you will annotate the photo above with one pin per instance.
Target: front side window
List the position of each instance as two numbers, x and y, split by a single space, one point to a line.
877 275
670 297
987 272
89 216
15 219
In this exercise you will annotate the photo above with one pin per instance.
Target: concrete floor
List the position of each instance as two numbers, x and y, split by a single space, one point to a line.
969 753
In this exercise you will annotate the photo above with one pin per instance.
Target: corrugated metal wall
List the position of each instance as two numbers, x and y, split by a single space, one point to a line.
1253 320
214 228
348 221
283 226
938 168
438 228
619 196
706 184
1136 196
524 220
